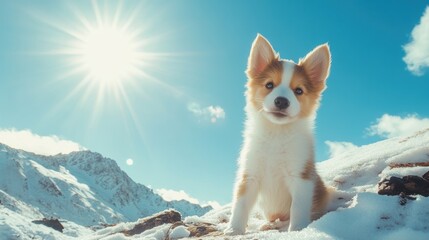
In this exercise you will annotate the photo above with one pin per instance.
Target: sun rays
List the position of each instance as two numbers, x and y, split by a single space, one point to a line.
107 56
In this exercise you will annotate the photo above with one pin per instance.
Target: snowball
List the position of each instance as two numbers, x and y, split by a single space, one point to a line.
179 232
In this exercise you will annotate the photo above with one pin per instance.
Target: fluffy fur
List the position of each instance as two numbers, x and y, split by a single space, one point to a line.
276 164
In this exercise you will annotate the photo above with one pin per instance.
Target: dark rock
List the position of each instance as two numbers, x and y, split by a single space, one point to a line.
416 185
52 223
426 176
392 186
403 198
408 185
169 216
202 229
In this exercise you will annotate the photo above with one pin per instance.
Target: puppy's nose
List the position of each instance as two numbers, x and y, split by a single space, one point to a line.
281 103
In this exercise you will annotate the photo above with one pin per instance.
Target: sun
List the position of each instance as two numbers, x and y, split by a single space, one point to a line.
106 48
109 54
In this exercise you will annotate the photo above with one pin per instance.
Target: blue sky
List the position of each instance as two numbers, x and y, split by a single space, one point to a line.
180 117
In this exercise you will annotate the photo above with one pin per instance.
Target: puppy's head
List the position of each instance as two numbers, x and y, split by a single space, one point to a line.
282 90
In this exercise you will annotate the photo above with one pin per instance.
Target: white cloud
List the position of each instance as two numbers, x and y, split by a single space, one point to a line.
338 148
211 113
417 51
389 126
172 195
43 145
214 204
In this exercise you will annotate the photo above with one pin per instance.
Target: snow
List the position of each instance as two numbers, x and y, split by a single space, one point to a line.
81 189
363 214
371 216
360 213
17 226
179 232
420 154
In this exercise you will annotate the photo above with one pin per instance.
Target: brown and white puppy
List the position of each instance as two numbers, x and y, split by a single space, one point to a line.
277 159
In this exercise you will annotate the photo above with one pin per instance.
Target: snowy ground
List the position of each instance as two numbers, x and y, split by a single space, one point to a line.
363 214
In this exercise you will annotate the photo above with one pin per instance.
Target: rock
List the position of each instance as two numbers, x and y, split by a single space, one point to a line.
409 185
426 176
392 186
202 229
173 217
169 216
416 185
52 223
403 198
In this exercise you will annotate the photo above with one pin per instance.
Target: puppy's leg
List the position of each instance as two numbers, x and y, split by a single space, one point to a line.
278 221
246 192
276 225
302 191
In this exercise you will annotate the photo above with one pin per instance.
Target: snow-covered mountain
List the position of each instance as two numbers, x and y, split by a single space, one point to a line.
81 187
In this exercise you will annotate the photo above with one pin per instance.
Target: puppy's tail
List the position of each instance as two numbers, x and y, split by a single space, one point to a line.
337 199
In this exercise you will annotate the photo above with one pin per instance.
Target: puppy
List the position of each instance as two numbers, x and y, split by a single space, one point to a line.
276 163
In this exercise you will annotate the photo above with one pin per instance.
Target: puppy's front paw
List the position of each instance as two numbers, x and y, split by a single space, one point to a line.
230 231
267 227
276 225
297 226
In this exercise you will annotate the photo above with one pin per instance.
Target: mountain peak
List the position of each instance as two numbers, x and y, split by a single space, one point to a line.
83 187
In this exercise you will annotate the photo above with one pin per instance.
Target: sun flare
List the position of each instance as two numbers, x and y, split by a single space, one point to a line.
109 54
109 57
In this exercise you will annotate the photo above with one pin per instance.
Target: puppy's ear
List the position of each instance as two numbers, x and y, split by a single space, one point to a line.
317 64
261 54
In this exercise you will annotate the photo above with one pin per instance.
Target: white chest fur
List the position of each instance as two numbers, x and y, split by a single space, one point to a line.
273 148
271 165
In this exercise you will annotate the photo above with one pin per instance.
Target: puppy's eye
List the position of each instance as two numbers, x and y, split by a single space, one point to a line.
269 85
299 91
